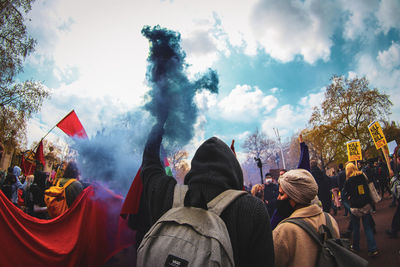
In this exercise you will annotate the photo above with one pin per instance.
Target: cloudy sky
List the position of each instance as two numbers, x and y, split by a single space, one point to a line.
273 58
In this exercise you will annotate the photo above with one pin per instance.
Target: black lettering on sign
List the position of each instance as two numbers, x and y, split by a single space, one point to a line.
353 149
375 133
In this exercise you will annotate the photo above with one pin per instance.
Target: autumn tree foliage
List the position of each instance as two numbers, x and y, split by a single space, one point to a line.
349 106
18 100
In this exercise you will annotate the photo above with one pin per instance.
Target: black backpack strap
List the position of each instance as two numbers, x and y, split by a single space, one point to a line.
329 225
308 228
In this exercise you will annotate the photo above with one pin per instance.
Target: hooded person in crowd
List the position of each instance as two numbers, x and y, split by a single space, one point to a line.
324 186
294 246
214 169
75 188
12 184
34 195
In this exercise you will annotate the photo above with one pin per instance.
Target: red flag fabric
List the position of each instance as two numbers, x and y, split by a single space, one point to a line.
39 156
88 234
132 200
72 126
27 167
233 147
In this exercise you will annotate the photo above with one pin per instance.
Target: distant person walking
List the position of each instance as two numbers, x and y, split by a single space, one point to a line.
356 188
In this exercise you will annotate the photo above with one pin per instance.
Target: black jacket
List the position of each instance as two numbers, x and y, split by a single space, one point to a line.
341 179
356 188
214 169
324 186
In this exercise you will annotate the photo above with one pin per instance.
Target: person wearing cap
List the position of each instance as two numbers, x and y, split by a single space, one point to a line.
294 246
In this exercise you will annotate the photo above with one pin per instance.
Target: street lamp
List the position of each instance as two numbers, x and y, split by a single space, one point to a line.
259 165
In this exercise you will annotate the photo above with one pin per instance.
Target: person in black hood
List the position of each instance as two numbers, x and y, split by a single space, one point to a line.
324 186
214 169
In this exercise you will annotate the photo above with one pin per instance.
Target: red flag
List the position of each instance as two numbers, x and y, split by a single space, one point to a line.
39 156
233 147
72 126
132 200
27 167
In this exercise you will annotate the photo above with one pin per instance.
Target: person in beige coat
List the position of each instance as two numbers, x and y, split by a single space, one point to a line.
292 245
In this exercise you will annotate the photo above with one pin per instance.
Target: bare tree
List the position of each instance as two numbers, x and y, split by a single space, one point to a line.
258 145
178 162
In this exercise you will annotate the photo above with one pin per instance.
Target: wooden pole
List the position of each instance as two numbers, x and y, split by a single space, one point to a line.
385 152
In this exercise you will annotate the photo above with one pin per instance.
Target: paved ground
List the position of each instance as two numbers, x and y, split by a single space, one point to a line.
389 248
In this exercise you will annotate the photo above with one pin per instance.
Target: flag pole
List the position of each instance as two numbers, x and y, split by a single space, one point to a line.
52 129
34 149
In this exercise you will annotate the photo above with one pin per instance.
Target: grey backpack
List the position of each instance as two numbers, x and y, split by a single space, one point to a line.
189 236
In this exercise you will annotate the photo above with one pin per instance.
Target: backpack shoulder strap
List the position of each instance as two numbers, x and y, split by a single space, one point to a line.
220 202
329 225
70 181
179 195
306 227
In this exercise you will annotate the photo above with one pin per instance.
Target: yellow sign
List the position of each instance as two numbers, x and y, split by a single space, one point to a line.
377 134
361 189
354 150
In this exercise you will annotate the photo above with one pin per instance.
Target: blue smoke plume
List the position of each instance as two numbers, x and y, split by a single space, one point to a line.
114 154
172 92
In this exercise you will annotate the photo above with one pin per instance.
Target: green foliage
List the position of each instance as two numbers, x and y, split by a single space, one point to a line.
15 44
18 101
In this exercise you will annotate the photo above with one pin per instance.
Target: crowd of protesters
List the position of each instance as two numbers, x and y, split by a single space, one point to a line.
260 223
340 190
28 192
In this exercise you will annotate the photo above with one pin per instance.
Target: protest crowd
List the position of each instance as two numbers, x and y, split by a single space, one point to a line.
211 218
285 221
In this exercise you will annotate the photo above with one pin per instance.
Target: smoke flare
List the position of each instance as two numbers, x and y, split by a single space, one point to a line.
172 92
113 155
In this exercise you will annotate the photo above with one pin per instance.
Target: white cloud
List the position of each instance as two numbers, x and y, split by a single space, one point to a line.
313 100
388 15
246 103
390 58
243 135
205 100
359 11
275 90
386 80
291 118
289 28
288 119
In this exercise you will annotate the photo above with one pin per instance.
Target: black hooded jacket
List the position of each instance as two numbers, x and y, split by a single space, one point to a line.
324 187
214 169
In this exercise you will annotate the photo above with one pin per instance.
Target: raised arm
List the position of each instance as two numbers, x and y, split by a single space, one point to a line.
304 161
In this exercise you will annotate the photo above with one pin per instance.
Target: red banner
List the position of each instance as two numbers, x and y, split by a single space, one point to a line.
88 234
132 200
27 167
39 156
